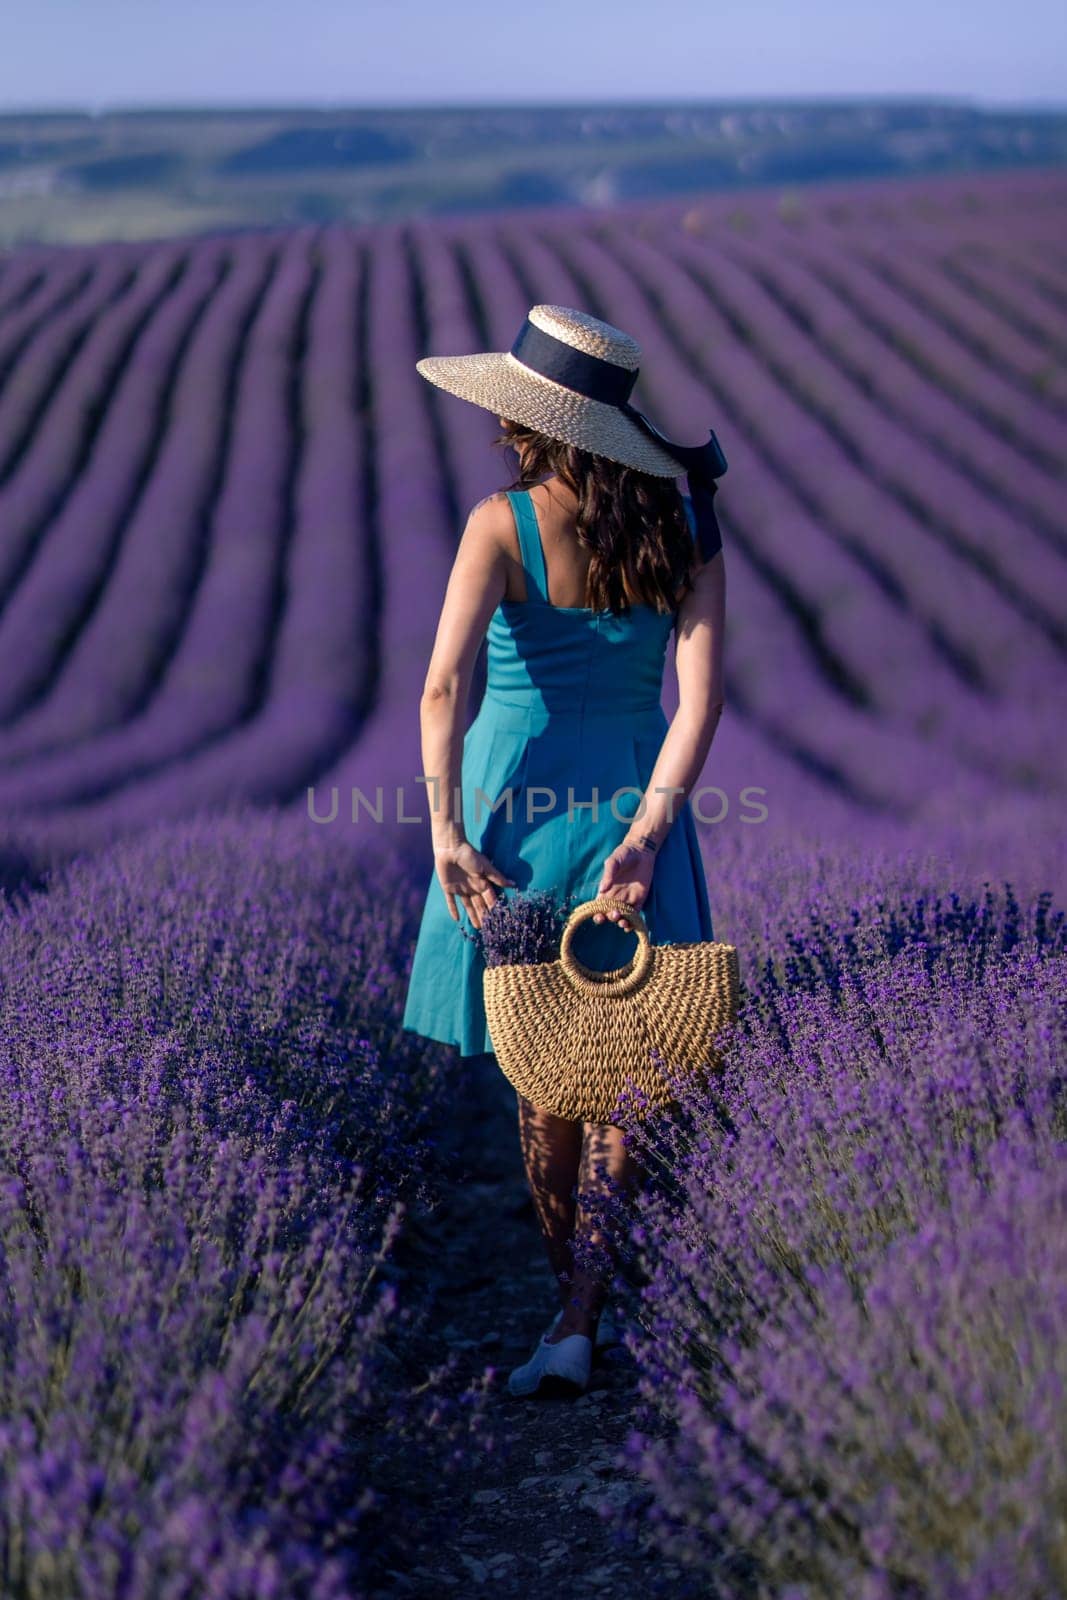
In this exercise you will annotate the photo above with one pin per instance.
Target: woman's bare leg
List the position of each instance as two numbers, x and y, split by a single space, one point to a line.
561 1156
551 1152
605 1161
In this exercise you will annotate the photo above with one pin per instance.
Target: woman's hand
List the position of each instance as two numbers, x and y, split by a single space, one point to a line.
466 875
627 876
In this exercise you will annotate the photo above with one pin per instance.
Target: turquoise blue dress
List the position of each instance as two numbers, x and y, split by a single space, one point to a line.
571 705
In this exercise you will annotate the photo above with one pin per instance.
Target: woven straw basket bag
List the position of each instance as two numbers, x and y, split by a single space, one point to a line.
568 1037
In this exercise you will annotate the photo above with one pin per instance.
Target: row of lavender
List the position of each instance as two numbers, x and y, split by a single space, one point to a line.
229 503
211 1129
187 570
854 1257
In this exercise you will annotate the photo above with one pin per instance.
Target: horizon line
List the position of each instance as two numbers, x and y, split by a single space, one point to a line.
333 107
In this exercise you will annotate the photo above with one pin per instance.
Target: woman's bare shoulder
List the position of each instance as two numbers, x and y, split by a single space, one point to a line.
491 524
495 504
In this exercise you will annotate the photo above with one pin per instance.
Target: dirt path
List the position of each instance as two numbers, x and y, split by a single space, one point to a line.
550 1500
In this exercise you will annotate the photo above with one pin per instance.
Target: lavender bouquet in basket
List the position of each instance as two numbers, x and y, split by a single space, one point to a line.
522 929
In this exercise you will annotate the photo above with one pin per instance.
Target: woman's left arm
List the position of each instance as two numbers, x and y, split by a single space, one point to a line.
476 586
628 870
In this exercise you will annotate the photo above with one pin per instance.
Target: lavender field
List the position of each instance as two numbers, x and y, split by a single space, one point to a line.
228 503
228 507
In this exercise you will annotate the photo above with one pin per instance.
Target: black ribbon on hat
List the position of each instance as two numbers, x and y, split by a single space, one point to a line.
603 380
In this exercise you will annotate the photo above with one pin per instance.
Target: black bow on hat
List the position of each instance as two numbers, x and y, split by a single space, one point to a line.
611 384
703 463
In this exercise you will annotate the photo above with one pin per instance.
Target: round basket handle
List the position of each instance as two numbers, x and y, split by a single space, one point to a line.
588 979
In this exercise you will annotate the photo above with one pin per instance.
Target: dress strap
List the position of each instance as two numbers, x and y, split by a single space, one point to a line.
533 555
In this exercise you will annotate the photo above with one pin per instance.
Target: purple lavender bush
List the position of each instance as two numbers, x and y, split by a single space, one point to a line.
190 1317
908 1439
208 1139
251 934
837 1322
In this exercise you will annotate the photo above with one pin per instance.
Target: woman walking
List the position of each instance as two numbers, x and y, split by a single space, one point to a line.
570 778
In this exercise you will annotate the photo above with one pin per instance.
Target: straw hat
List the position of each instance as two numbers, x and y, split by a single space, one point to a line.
569 375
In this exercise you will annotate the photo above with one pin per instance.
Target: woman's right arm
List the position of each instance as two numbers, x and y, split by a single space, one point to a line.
699 665
475 587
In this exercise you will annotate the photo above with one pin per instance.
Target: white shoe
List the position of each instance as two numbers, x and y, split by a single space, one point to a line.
561 1368
607 1330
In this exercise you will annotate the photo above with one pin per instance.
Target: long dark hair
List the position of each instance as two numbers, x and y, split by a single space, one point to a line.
633 523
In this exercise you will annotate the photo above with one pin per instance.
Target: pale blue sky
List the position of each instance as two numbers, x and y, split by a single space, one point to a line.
97 53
